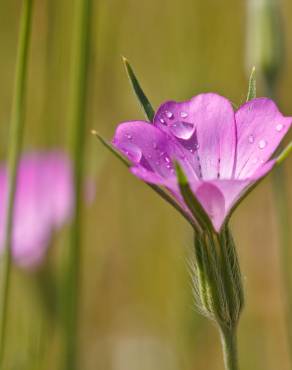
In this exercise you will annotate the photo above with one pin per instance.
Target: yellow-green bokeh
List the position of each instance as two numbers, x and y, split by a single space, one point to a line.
137 309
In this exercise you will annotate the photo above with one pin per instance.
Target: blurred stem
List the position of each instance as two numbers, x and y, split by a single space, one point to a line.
266 50
281 204
15 144
281 200
229 347
77 123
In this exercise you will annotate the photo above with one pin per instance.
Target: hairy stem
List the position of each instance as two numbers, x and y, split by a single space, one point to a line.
229 348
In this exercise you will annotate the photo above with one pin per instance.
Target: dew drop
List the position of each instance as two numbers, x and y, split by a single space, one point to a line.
162 120
129 136
169 114
279 127
167 159
251 139
182 130
183 114
262 144
197 146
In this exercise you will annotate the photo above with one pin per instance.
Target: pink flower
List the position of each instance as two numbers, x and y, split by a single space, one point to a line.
223 153
44 202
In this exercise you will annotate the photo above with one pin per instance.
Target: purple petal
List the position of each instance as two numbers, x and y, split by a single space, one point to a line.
260 129
149 176
213 202
205 127
148 148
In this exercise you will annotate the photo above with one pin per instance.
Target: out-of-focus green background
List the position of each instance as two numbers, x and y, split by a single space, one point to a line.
137 310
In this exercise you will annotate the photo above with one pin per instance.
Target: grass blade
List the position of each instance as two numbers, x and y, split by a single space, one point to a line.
15 145
77 111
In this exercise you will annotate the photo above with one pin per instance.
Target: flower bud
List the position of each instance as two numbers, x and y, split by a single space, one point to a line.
218 286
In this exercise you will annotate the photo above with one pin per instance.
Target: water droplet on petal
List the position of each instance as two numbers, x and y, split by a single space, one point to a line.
279 127
129 136
262 144
169 114
182 130
197 146
162 120
167 159
183 114
251 139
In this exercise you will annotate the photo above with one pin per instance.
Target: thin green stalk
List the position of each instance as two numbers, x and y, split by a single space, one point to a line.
266 50
77 124
229 347
281 200
15 144
281 203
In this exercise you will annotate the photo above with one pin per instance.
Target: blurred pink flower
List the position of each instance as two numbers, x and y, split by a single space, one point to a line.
44 202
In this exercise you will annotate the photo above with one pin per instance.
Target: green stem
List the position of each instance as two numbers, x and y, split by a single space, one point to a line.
77 124
229 347
15 144
281 200
283 220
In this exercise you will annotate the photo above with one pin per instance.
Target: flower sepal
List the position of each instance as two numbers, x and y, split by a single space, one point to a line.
142 98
